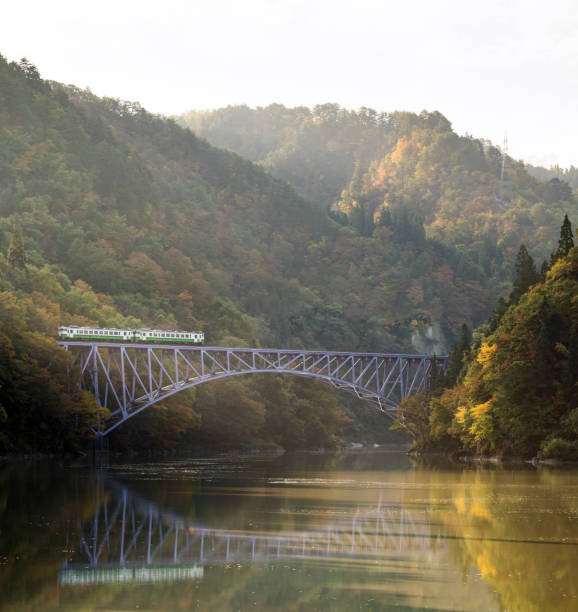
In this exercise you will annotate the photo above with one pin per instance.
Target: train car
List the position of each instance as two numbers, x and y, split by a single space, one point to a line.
74 332
111 334
153 336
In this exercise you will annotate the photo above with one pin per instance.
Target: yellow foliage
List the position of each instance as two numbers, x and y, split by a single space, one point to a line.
561 349
486 353
480 410
461 414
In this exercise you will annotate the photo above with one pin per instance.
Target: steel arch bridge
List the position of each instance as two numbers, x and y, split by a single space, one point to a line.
127 378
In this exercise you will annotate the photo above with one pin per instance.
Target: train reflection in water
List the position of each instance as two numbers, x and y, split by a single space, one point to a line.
131 539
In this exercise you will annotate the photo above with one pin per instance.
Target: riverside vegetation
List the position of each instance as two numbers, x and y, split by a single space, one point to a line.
115 217
513 391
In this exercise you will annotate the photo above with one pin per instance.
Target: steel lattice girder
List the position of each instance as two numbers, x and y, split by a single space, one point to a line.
127 378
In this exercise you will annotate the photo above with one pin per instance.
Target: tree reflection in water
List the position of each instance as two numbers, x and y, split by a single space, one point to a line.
298 533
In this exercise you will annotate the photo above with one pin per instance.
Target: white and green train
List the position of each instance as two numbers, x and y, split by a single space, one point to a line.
106 334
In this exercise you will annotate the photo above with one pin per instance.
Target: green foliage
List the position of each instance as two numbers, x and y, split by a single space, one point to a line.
41 410
458 355
526 275
126 218
565 243
16 252
413 417
519 392
558 448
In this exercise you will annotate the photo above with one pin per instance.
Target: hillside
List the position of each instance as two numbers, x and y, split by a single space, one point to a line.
112 216
315 150
515 390
365 163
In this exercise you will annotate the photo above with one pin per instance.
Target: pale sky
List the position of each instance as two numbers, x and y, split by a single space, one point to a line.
489 66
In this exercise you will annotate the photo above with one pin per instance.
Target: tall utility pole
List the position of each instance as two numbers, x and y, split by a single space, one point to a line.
505 180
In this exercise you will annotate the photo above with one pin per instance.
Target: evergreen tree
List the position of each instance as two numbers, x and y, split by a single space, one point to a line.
457 354
497 315
571 377
526 275
566 241
16 252
544 270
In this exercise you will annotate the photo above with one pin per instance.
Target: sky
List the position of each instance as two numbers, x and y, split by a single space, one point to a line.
490 66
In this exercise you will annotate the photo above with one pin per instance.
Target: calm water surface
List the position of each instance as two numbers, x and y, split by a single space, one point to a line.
367 531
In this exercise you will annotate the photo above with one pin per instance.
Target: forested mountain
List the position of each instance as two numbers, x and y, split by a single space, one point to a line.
94 232
373 168
112 216
315 150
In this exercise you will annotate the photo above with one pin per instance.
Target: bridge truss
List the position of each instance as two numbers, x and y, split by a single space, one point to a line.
127 378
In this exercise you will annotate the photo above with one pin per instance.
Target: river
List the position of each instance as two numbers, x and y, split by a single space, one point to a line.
332 531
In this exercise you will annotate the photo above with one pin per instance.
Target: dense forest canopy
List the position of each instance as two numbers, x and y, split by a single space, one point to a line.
112 216
514 389
370 166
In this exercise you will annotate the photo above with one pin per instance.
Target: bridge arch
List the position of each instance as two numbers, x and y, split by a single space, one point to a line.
128 378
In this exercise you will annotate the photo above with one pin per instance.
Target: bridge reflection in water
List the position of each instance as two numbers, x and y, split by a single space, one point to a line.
130 539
